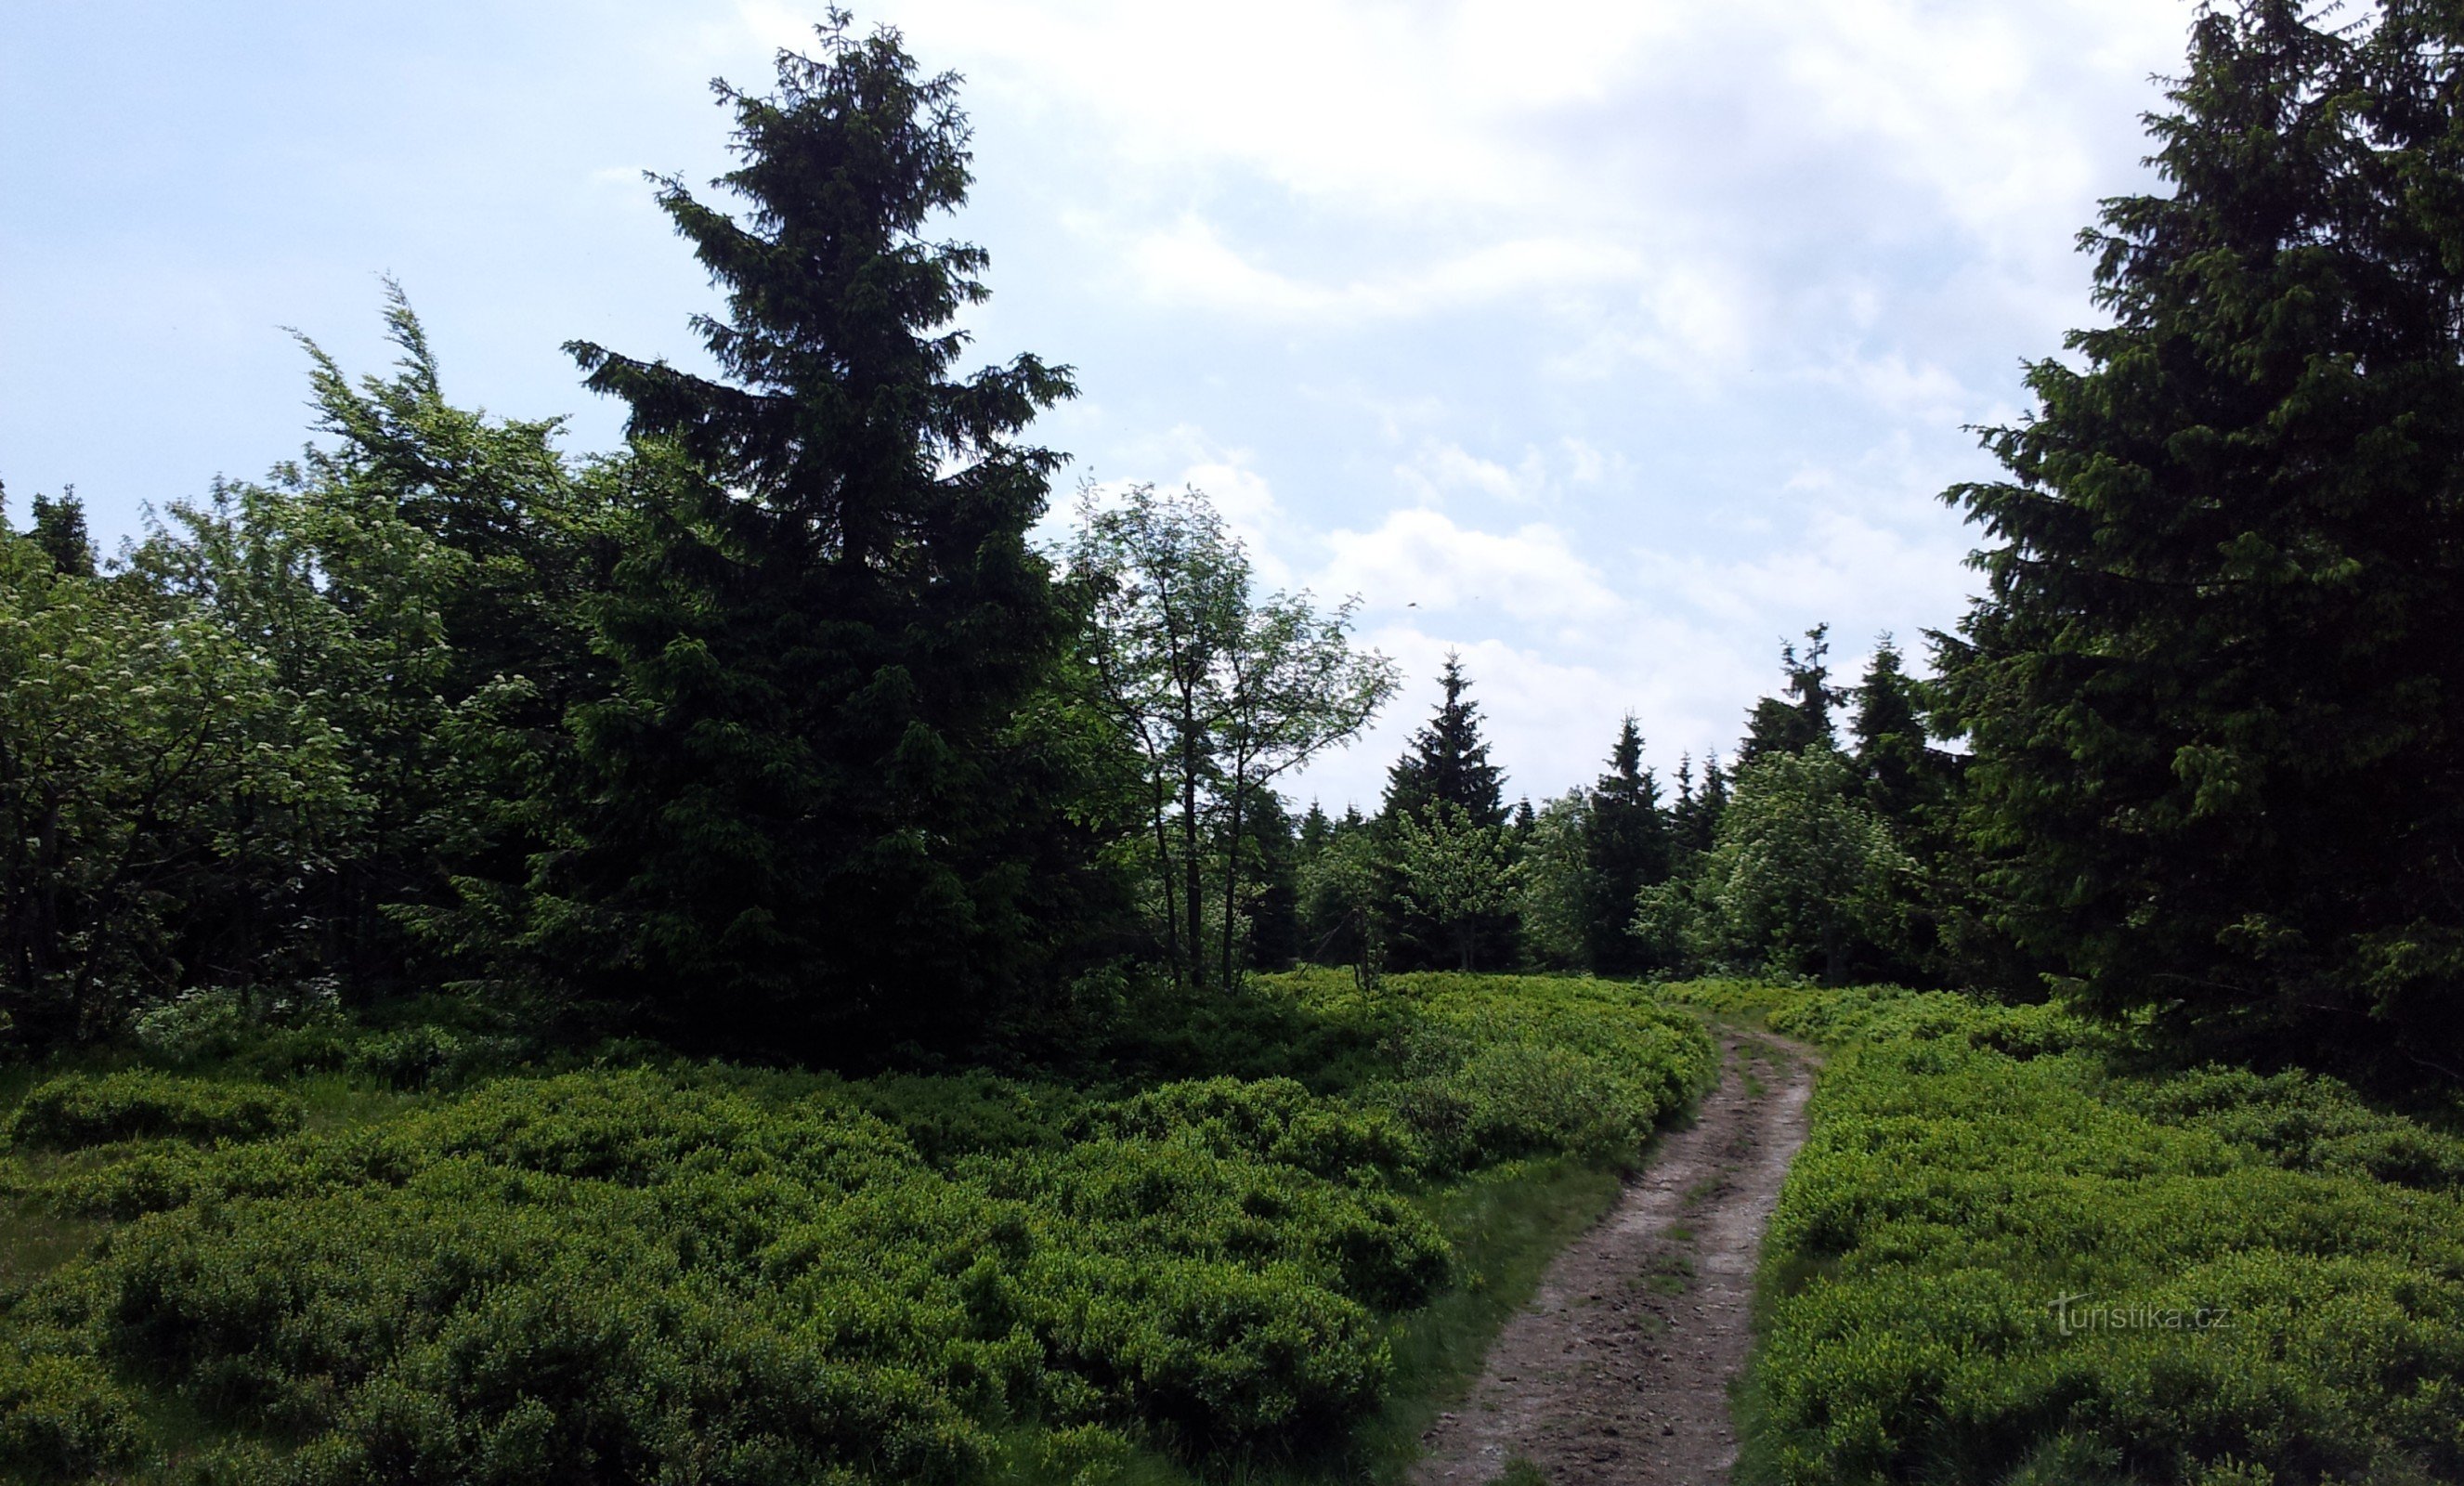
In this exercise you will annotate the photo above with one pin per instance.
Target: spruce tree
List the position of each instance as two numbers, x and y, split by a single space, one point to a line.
1890 737
810 816
1273 883
1802 719
59 528
1448 760
1446 770
2212 690
1626 848
1316 829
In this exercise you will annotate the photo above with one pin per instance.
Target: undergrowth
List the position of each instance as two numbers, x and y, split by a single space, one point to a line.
2011 1253
337 1254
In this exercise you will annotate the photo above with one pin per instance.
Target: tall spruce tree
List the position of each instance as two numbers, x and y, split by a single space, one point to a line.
811 817
1444 770
1801 719
2214 691
1448 760
1889 737
1626 846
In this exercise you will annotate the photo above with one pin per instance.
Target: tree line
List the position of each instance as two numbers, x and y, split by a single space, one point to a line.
774 730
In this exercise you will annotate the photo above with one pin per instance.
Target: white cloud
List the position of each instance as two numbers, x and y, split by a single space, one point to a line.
1188 264
1924 391
1841 566
1423 559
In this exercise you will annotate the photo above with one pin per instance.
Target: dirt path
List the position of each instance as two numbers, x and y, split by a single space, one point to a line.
1619 1371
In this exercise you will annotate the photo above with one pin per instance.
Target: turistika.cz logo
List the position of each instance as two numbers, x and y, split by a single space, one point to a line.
2075 1314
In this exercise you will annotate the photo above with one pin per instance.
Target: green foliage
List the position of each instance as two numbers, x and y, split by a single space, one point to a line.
1801 868
767 1276
1447 762
823 801
90 1109
1801 722
162 790
2213 690
1999 1258
56 527
1212 691
1454 873
1553 897
63 1418
1626 849
1342 887
1494 1068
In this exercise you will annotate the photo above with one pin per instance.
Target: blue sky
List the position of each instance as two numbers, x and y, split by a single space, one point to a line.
1609 343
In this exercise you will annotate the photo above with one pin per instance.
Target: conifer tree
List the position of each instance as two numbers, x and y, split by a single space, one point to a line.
1890 736
1802 720
1446 765
813 812
1316 829
2212 690
57 527
1273 884
1626 846
1709 805
1448 760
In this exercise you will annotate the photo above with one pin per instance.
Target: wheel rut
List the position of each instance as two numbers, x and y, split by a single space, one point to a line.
1618 1371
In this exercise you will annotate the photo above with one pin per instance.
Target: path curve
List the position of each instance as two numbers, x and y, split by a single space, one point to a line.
1617 1372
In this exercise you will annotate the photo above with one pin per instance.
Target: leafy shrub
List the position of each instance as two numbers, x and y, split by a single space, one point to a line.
62 1417
1274 1120
1839 1015
1084 1455
948 1118
2303 1122
425 1056
709 1273
87 1109
1500 1067
1988 1267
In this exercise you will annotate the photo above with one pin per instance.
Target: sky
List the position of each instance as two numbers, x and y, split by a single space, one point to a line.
1610 344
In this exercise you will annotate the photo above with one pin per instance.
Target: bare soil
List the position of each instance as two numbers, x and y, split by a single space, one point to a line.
1618 1371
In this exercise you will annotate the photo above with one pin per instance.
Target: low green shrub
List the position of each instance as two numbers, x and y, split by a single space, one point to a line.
1839 1015
1272 1120
89 1109
63 1418
704 1273
1499 1068
1998 1259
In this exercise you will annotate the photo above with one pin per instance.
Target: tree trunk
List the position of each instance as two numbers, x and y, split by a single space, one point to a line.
1231 880
1163 875
1193 889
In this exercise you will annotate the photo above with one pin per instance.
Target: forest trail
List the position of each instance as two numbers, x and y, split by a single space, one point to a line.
1617 1372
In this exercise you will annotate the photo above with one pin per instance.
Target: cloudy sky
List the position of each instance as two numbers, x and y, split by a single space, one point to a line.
1606 342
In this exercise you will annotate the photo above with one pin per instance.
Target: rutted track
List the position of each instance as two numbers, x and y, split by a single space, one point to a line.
1618 1371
